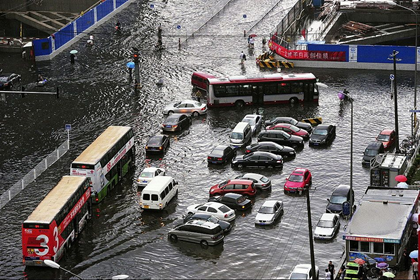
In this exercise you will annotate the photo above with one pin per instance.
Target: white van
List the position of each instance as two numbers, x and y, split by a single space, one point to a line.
158 193
241 135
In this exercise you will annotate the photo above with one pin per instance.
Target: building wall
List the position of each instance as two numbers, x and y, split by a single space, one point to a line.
70 6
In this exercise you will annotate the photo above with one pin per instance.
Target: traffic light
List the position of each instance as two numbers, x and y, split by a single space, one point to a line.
136 57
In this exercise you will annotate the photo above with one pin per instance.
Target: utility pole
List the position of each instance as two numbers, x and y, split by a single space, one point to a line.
394 58
311 239
136 68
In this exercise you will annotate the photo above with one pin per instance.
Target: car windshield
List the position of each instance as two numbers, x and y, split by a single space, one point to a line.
213 219
241 199
300 276
154 141
236 135
218 151
320 132
296 178
383 137
325 224
293 121
294 128
146 174
266 210
172 119
197 104
248 120
177 104
338 199
371 152
264 179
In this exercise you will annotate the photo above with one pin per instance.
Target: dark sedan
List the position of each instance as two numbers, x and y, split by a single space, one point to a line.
271 147
8 80
157 144
281 137
176 122
233 200
322 135
258 159
226 226
221 154
305 126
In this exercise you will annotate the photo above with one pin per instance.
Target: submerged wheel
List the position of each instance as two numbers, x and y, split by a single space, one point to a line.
293 100
195 114
170 112
204 243
240 166
239 104
173 238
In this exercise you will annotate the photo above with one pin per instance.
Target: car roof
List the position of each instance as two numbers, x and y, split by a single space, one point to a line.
341 189
160 136
233 195
202 223
299 170
201 215
267 143
323 126
150 169
252 175
188 101
212 204
386 131
239 181
375 144
328 216
263 153
252 116
303 268
221 147
283 118
271 203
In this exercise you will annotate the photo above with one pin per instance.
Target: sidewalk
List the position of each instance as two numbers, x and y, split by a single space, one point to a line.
405 274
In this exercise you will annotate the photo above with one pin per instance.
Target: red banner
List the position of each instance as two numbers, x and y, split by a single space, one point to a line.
305 54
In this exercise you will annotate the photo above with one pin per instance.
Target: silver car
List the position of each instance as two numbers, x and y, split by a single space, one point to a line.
192 107
255 121
269 212
260 181
197 231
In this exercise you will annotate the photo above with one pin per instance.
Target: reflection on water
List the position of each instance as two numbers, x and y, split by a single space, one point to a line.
198 251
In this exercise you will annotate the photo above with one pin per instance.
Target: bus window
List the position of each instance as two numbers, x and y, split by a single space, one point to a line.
155 197
231 90
284 88
270 89
297 87
245 90
162 195
219 91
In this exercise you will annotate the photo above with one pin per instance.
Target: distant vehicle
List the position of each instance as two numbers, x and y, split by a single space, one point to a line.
176 122
281 137
255 121
221 154
200 80
340 195
244 187
371 151
215 209
268 146
226 226
192 107
7 81
299 180
327 227
233 200
148 174
269 212
304 271
387 137
323 134
258 159
260 181
302 125
205 233
157 144
290 129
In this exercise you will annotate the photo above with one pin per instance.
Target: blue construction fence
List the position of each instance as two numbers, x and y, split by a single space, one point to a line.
47 46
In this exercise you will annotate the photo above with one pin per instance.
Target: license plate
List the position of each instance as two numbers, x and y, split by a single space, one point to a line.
146 206
168 126
144 181
38 262
316 144
214 161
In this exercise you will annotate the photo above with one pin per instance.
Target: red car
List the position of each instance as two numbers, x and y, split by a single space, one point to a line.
387 137
298 180
244 187
290 129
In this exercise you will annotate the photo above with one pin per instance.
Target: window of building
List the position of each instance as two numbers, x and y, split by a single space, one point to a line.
364 247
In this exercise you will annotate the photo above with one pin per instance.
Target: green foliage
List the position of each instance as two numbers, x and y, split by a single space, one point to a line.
414 173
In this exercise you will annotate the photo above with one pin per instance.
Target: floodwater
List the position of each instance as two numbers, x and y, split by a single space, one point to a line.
96 92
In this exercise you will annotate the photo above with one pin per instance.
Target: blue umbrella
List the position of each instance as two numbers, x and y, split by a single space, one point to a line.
414 254
130 65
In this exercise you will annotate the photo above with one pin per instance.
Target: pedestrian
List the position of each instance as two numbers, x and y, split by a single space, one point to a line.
242 56
331 269
415 270
327 274
407 260
342 272
90 41
264 41
159 33
118 26
72 57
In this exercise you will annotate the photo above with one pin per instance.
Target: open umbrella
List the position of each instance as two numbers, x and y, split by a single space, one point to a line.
400 178
73 51
388 274
379 259
359 261
130 65
253 35
414 254
382 265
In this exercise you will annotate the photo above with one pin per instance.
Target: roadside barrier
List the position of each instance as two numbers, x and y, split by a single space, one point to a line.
313 121
275 64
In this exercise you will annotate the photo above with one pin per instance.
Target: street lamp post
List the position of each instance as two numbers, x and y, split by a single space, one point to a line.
394 58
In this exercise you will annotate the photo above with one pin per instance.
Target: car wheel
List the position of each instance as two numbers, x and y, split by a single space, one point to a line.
240 166
239 104
195 114
204 243
173 238
170 112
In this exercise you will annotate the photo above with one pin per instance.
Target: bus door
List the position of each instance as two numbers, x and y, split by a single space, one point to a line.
257 94
308 92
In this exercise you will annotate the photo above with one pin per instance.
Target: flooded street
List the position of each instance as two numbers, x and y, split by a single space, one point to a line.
96 92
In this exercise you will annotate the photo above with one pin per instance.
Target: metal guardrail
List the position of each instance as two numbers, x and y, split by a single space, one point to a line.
33 174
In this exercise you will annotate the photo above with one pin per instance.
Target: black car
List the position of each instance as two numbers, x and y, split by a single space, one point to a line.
281 137
8 80
221 154
323 134
271 147
303 125
157 144
233 200
371 151
176 122
343 193
258 159
226 226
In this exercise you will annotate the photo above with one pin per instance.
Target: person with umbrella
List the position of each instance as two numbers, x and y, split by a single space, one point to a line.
73 56
401 179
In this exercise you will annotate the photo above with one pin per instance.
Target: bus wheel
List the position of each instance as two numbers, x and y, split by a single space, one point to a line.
293 100
239 104
173 238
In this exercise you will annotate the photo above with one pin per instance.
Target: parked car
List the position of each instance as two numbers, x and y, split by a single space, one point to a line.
221 154
255 121
290 129
327 226
258 159
304 271
233 200
303 125
371 151
215 209
157 144
176 122
226 226
7 81
281 137
340 195
269 212
260 181
267 146
192 107
241 135
205 233
387 137
323 134
298 180
244 187
148 174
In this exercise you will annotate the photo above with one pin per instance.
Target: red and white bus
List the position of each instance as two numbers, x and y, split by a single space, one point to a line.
200 80
57 221
268 89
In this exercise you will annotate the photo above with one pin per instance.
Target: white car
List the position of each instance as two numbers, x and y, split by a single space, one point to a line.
260 181
328 225
148 174
255 121
216 209
192 107
269 212
303 271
